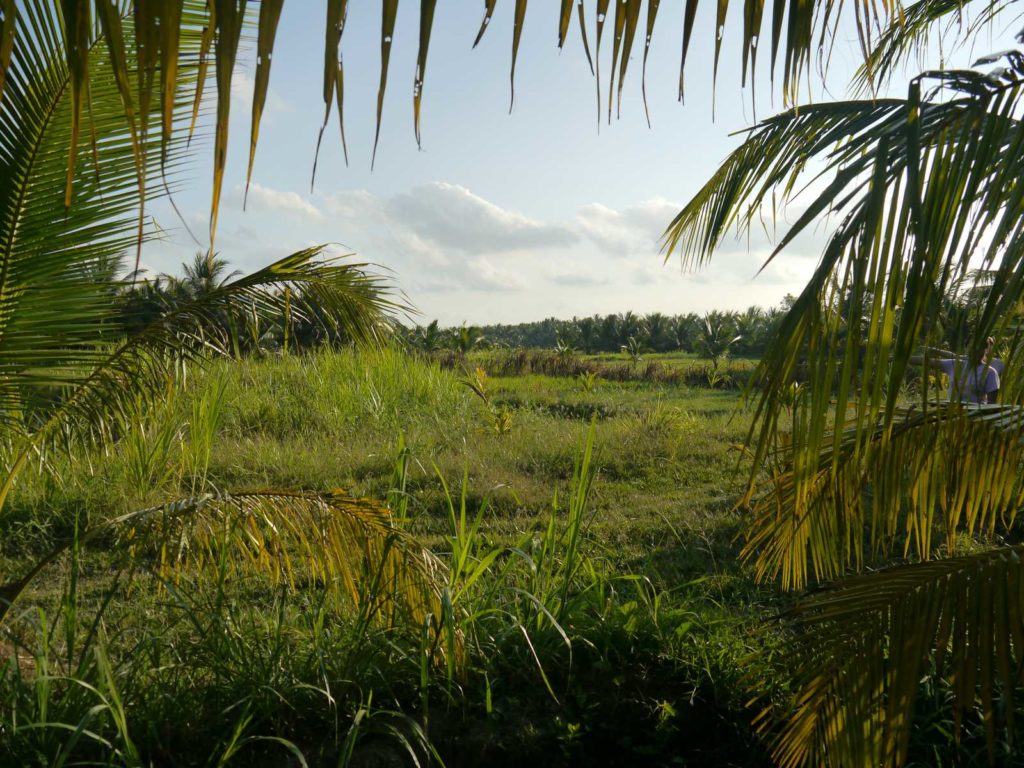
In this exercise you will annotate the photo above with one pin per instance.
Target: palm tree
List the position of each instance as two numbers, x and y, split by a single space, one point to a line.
587 333
657 330
752 328
609 333
921 188
466 338
629 326
684 331
205 274
716 337
429 337
74 367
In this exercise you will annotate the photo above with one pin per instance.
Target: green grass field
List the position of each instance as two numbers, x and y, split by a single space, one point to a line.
598 613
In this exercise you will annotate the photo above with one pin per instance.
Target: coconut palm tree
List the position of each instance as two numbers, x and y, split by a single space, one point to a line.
920 188
717 335
74 367
657 331
587 333
466 338
205 274
609 333
684 331
428 337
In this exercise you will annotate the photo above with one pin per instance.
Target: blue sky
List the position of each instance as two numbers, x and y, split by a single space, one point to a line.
500 217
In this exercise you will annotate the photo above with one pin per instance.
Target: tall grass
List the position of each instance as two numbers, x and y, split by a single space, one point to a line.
326 393
231 670
544 646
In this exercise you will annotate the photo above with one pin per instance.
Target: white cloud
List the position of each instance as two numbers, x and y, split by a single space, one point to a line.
635 229
450 217
485 274
460 256
242 85
263 198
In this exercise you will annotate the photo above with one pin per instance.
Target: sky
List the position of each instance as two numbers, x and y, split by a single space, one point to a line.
499 217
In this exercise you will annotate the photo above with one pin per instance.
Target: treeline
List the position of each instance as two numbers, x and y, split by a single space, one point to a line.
712 335
743 333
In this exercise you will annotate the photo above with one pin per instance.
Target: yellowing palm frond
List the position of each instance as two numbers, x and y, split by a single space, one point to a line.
860 651
950 468
343 544
898 177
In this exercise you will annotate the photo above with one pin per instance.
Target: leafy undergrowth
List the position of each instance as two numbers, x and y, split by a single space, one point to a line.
591 608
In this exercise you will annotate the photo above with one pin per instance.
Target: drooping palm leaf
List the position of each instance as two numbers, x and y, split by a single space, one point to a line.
860 650
899 171
798 29
389 14
334 76
54 306
229 17
426 25
270 14
348 545
652 17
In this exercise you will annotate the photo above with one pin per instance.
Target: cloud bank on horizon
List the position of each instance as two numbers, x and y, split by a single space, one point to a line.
459 256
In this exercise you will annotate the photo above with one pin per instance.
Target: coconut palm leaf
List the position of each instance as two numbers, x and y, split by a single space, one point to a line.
55 308
270 14
158 27
919 191
916 464
861 649
346 545
94 401
909 34
899 172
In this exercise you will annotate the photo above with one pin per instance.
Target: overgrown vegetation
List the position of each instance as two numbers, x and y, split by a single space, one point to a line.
592 606
590 586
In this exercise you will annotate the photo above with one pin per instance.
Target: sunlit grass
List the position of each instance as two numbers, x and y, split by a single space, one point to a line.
612 619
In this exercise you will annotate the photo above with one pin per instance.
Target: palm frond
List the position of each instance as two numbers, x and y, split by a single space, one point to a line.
141 364
896 174
909 33
950 469
340 543
55 306
797 30
860 651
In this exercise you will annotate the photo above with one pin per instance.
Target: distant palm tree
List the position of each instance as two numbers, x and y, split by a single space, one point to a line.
630 326
428 337
684 331
587 333
716 336
465 338
206 273
609 333
657 326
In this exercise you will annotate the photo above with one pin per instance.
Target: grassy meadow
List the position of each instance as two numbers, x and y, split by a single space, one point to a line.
594 606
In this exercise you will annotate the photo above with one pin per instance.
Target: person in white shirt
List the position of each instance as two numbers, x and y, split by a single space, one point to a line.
969 381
